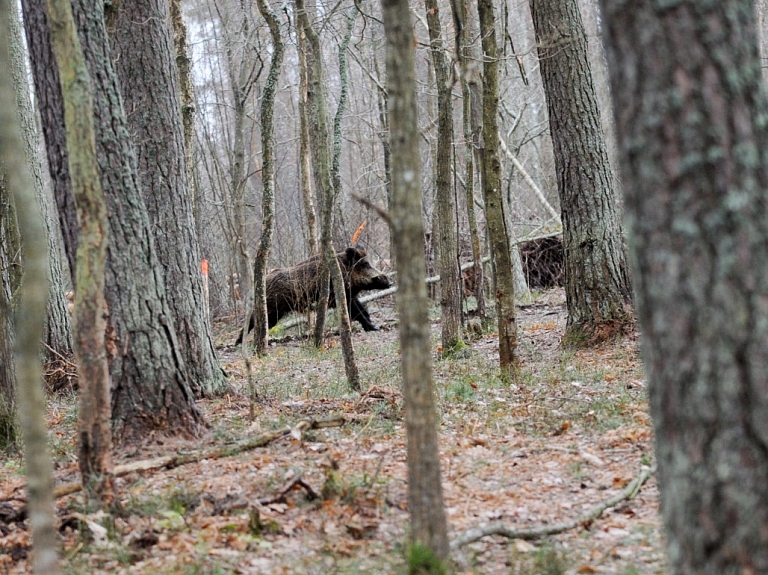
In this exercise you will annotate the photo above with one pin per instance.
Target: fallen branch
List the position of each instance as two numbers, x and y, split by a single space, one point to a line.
179 459
472 535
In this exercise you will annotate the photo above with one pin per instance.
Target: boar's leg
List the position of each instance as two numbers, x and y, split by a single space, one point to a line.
358 312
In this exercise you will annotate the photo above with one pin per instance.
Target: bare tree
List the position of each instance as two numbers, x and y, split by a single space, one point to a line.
450 294
29 329
267 178
492 193
94 429
693 144
318 129
472 125
425 496
597 285
305 167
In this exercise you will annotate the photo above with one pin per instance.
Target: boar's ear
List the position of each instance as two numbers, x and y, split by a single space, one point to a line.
351 256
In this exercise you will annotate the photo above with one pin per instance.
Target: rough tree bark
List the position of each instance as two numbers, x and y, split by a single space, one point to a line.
318 129
57 335
597 285
693 145
29 328
425 496
492 194
150 389
93 419
10 279
260 326
450 278
149 81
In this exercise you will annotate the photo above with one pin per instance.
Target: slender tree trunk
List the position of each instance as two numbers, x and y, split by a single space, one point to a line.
150 389
31 317
465 24
693 144
345 324
149 82
450 276
305 168
267 179
492 193
425 496
318 130
597 285
94 430
323 181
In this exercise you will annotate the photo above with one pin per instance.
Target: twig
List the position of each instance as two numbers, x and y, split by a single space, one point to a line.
382 213
472 535
280 496
179 459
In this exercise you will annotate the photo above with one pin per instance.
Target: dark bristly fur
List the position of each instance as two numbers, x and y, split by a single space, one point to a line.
297 288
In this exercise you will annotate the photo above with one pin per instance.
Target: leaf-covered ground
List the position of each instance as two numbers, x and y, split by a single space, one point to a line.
542 451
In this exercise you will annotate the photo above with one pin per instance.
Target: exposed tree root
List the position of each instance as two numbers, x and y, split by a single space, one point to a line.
472 535
179 459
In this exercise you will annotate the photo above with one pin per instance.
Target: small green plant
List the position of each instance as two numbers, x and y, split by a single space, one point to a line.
422 561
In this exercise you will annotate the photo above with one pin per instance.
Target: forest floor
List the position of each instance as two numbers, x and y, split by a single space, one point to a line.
572 433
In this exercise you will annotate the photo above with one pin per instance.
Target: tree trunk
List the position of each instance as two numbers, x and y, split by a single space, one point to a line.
10 268
597 285
305 168
149 83
690 113
450 277
267 178
425 496
93 430
150 389
345 324
318 132
318 129
492 194
29 328
57 334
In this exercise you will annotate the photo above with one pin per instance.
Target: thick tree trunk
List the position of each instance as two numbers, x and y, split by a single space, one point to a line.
149 83
39 469
690 113
492 194
57 335
150 389
93 429
425 495
450 278
597 285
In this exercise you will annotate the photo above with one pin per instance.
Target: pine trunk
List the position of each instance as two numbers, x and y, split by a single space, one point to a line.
150 389
149 82
597 285
693 144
